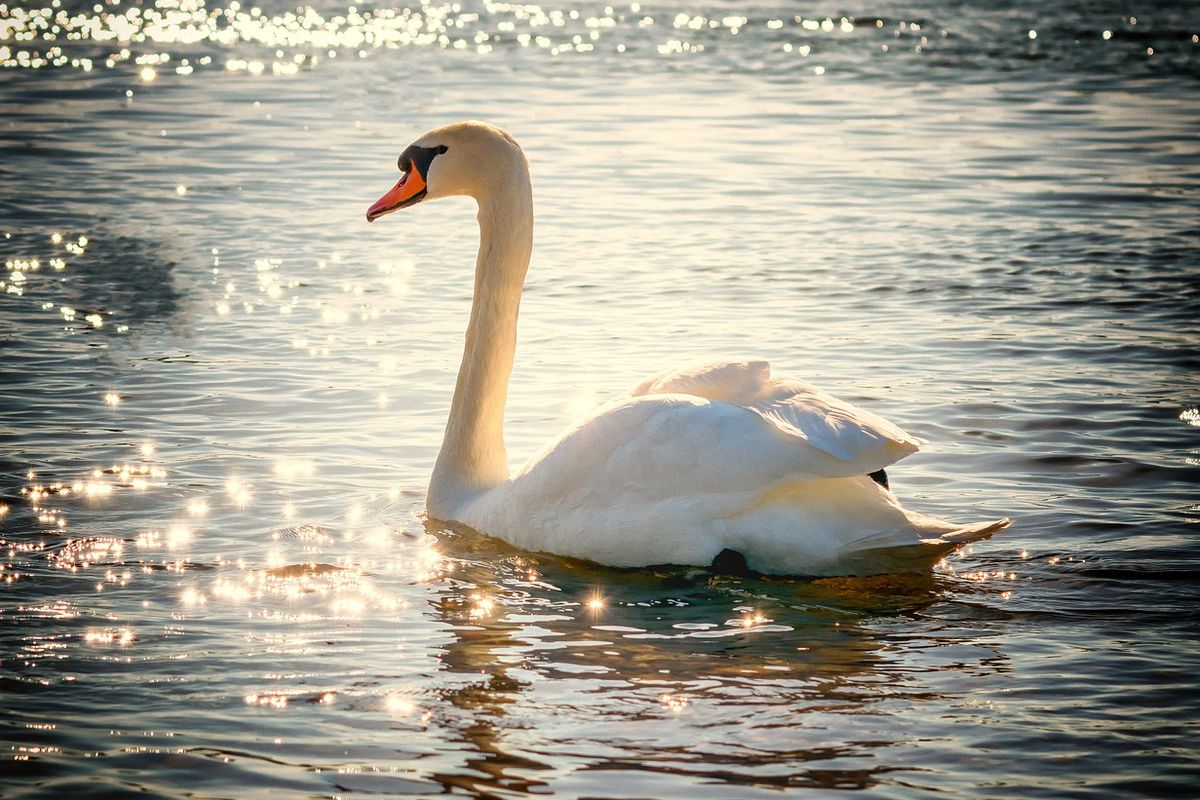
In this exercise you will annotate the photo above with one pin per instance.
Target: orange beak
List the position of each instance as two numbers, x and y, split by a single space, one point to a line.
408 191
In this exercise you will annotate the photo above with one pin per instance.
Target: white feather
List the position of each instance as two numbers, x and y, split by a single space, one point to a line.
857 437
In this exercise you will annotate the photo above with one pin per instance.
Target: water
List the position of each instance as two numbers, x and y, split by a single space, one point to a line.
222 394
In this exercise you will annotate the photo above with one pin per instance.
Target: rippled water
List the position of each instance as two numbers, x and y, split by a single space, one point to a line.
222 393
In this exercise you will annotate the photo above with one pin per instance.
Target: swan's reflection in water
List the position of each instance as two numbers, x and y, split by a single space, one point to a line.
759 683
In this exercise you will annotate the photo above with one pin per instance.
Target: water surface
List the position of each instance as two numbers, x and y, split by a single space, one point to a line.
222 393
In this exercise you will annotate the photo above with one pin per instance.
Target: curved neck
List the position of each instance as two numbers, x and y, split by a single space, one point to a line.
473 458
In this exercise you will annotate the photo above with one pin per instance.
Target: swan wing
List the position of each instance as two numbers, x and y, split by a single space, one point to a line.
731 381
645 479
833 426
675 478
676 445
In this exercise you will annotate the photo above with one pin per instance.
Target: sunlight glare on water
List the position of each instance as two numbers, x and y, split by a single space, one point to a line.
222 394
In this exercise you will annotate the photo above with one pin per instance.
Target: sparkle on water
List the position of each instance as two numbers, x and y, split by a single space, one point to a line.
223 394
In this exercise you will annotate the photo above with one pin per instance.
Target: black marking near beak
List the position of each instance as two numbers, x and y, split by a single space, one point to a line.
419 158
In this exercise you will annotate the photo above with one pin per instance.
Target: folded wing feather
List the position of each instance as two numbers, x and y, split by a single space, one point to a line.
833 426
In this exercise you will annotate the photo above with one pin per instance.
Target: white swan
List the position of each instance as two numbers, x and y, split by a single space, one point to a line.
716 460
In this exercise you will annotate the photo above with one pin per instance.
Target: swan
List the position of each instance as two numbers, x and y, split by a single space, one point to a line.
710 463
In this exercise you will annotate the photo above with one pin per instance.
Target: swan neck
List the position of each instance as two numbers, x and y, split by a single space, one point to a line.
473 456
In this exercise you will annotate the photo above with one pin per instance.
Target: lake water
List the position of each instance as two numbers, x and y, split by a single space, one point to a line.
222 393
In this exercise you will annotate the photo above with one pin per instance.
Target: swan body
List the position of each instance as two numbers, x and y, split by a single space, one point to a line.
692 462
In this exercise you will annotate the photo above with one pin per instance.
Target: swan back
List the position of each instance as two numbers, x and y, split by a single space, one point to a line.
833 426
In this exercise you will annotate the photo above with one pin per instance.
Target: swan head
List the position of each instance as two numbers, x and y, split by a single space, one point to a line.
472 159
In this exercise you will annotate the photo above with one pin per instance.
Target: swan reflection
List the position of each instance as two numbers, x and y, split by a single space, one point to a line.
681 652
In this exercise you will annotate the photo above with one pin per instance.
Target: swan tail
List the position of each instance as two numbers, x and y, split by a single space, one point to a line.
843 526
919 556
974 533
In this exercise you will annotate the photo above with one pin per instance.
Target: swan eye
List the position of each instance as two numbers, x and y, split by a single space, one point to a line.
419 158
